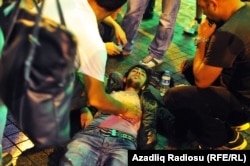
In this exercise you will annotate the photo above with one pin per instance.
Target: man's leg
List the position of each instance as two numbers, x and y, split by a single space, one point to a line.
116 151
164 33
84 149
165 30
206 112
132 19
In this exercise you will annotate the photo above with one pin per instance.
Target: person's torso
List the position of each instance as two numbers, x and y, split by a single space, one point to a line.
230 49
81 20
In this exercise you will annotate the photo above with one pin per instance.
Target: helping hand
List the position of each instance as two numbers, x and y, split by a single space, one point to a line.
133 114
85 117
113 49
120 36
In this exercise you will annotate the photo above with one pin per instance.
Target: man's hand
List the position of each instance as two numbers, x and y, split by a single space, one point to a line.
119 32
133 113
120 35
206 29
85 117
113 49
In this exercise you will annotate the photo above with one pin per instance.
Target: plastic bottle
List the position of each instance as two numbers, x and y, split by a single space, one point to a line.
165 82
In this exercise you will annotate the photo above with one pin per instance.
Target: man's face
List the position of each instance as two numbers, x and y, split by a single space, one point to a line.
136 78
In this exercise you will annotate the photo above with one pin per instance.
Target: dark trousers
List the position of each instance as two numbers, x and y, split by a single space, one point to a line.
208 113
149 10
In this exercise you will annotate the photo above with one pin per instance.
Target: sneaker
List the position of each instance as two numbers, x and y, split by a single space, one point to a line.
242 127
7 159
238 143
150 61
192 28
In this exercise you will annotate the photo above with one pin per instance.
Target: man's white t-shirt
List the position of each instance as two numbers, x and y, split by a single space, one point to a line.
81 21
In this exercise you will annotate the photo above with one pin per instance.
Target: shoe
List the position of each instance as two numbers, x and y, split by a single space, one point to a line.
238 143
126 53
242 127
192 28
150 61
7 159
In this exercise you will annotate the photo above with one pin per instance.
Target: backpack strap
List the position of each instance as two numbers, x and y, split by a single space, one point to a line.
7 12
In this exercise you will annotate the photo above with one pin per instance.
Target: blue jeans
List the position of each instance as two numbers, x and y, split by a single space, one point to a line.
92 148
165 29
3 117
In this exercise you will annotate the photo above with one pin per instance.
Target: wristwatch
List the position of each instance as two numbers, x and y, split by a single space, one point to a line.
199 40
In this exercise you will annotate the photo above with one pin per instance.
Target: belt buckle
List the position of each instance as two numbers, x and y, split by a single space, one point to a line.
109 132
113 132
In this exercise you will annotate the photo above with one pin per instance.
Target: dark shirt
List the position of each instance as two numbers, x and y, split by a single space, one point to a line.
229 48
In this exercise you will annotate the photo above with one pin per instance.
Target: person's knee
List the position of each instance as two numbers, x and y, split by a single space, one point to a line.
186 68
169 96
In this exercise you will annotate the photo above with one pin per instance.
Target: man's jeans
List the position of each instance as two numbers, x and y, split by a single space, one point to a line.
164 31
93 148
3 117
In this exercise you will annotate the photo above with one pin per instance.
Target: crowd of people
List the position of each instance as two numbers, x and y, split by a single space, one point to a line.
214 108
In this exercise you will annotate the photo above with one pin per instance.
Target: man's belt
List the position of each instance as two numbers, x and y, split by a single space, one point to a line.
116 133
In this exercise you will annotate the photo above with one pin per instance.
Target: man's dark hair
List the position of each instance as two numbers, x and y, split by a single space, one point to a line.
147 70
110 5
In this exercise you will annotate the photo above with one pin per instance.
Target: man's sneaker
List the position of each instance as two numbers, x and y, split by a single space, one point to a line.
242 127
192 28
238 143
151 62
7 159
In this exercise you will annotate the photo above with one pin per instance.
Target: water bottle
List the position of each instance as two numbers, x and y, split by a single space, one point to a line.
165 82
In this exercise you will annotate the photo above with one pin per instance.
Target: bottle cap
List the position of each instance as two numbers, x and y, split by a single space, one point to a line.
167 72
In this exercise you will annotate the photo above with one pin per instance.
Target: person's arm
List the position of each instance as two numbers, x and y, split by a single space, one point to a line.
204 74
119 33
99 99
113 49
86 117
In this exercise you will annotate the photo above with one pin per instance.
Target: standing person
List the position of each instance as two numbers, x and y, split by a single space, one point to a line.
193 26
82 18
164 32
107 138
215 114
